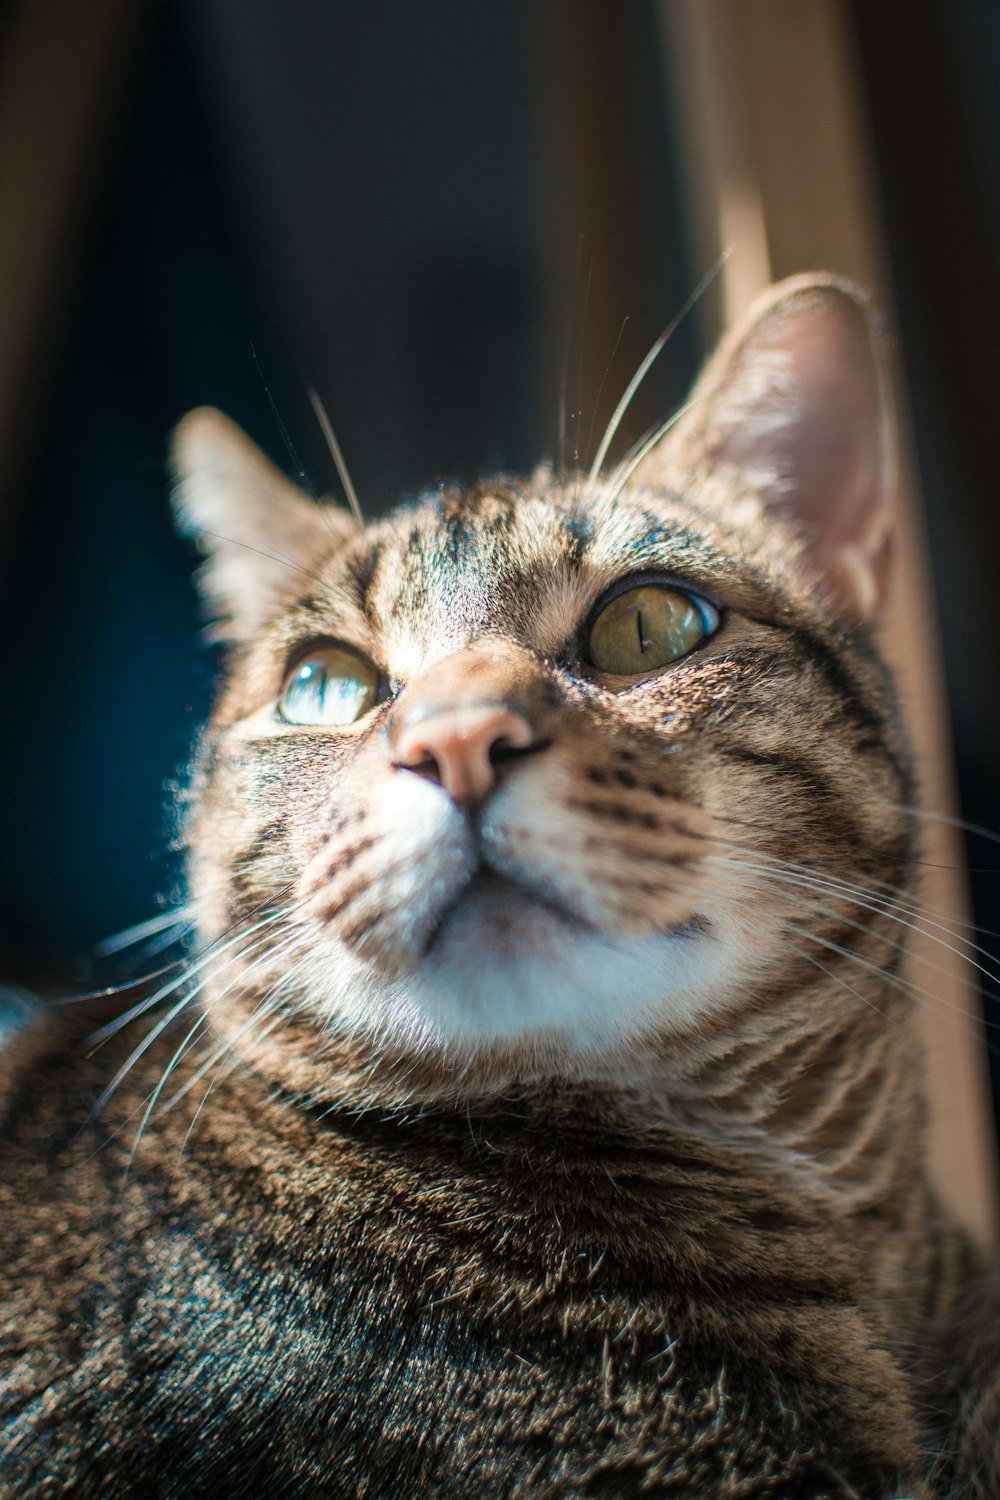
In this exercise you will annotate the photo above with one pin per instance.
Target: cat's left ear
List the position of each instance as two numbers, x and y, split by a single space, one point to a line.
262 538
797 399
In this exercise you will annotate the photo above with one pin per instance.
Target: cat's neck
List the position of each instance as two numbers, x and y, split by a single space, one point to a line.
839 1107
825 1095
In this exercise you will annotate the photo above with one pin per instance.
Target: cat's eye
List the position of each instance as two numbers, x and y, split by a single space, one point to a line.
330 686
645 628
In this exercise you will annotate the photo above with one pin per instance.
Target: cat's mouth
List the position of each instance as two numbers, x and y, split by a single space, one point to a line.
506 916
497 917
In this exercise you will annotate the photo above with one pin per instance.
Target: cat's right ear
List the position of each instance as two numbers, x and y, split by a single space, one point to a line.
796 402
261 537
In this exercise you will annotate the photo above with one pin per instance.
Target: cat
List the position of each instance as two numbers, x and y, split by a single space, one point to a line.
539 1113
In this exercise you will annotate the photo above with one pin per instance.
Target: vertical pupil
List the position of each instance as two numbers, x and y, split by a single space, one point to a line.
644 628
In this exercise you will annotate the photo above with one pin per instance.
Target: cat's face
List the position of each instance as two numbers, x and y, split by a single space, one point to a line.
514 774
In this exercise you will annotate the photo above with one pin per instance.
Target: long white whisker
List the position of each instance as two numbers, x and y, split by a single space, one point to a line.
881 892
279 423
810 958
269 950
621 475
181 1050
178 920
269 1008
905 986
292 940
134 1056
269 552
879 906
643 370
579 377
600 388
845 844
336 455
183 963
961 824
189 970
175 1010
566 353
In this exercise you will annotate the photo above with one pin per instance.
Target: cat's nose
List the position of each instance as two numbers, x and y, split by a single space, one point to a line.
463 748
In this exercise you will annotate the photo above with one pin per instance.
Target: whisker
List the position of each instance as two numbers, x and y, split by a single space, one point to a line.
811 958
293 937
270 952
579 366
275 1014
269 552
621 475
971 1018
887 891
202 1020
175 1010
336 455
600 388
285 438
182 963
579 383
181 1051
889 905
920 864
126 1067
212 952
905 986
802 883
978 829
269 1007
179 919
643 370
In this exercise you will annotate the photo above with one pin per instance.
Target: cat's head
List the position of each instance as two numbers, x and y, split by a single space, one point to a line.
548 775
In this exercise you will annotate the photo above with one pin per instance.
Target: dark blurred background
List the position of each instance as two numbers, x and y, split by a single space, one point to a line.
352 196
443 216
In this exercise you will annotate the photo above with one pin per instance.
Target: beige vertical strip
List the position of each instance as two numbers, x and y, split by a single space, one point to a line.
778 167
63 71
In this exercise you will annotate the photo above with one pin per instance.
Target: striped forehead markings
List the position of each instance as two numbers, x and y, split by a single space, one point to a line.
579 529
363 569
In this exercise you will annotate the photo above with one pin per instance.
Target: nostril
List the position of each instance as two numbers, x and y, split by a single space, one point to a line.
463 749
423 765
502 750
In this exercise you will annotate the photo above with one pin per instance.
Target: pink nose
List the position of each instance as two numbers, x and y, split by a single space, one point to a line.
457 747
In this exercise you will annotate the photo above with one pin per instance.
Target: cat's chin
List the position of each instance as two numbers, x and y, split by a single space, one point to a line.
508 973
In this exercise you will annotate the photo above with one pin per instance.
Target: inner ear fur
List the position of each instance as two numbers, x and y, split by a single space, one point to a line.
796 399
261 536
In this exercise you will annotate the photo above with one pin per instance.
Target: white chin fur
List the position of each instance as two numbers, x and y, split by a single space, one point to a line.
559 988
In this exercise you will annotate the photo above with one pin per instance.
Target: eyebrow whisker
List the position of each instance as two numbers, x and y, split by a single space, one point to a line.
335 453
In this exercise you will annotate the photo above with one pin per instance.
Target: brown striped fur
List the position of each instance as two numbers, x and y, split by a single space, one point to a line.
565 1144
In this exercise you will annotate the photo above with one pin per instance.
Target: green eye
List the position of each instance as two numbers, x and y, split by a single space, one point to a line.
646 628
329 686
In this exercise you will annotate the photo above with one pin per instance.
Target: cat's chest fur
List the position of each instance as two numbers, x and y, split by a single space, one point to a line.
528 1301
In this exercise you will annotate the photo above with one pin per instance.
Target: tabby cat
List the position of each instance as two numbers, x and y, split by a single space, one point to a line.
539 1111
